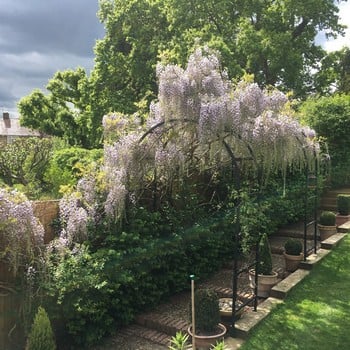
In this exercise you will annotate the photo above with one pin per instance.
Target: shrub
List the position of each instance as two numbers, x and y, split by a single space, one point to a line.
293 246
207 311
265 257
41 336
329 116
67 166
327 218
343 204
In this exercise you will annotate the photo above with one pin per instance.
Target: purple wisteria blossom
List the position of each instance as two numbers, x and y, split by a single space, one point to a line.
198 116
21 233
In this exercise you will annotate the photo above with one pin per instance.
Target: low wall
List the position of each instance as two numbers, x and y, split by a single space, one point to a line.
46 212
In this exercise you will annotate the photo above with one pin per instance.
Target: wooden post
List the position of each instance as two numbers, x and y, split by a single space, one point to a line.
193 314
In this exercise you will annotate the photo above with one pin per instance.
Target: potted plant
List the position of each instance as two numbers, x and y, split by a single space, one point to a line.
343 205
267 278
293 253
208 328
326 225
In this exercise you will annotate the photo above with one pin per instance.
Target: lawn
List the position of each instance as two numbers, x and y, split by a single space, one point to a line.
316 314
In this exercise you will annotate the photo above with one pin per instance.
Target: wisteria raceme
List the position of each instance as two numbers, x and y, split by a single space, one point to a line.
74 218
117 192
87 186
20 231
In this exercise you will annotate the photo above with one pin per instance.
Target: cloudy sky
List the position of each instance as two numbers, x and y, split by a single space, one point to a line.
40 37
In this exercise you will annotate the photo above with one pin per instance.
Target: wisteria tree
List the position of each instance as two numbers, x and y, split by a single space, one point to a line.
201 122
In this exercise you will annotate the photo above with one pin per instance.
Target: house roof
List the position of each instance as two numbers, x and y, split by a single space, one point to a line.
11 127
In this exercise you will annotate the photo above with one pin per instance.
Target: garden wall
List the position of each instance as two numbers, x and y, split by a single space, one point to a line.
47 211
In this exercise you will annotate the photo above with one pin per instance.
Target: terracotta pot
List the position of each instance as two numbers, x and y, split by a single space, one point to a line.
265 283
341 219
292 261
207 341
326 231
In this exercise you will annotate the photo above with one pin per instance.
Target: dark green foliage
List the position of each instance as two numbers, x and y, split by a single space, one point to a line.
293 246
327 218
329 116
343 204
41 336
125 270
207 311
265 257
23 163
97 291
67 166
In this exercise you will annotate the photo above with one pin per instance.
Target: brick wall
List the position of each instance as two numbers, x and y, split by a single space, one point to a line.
46 212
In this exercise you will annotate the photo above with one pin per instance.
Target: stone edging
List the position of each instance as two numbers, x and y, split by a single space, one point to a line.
246 324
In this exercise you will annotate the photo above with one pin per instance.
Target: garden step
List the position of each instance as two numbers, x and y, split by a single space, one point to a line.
246 324
345 228
281 289
162 323
332 241
146 333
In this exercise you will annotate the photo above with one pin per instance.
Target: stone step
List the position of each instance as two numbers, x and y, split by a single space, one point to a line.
344 228
152 335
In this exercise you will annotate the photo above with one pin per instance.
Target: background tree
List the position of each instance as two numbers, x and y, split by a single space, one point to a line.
65 111
334 75
273 40
329 116
24 162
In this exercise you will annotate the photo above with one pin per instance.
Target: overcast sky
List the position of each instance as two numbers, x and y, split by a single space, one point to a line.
40 37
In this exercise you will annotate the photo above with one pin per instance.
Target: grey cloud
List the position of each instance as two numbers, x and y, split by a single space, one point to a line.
38 38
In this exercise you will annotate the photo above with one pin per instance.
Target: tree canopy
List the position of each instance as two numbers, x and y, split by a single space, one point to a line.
272 40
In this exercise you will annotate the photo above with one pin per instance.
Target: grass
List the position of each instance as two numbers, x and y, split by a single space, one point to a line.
316 314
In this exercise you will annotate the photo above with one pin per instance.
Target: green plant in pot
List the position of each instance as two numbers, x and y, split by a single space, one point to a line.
326 226
343 205
293 253
267 278
208 328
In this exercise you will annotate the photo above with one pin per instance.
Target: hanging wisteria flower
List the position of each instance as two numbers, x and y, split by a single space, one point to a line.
74 218
21 233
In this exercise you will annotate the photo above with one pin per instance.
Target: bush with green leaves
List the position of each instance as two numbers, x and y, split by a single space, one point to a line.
207 311
68 165
343 204
41 336
95 289
327 218
23 163
329 116
293 246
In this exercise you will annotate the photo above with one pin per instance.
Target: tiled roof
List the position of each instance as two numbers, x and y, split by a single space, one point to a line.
11 127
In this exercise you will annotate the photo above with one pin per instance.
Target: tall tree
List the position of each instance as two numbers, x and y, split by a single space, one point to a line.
124 73
334 75
65 111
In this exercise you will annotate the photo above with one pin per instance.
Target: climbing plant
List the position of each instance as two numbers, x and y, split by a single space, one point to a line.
201 122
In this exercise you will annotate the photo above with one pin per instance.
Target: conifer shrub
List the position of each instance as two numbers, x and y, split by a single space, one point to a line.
265 257
41 336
